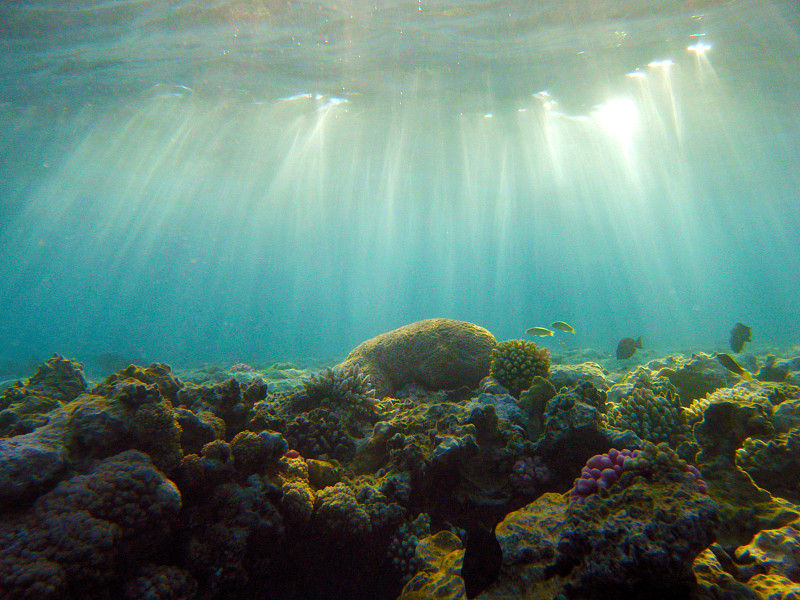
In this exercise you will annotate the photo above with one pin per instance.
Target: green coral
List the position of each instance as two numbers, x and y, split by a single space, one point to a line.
653 418
533 402
516 362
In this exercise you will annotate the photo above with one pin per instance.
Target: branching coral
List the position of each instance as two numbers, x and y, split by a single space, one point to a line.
516 362
652 417
341 385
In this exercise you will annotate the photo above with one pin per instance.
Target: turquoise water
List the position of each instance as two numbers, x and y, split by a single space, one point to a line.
264 180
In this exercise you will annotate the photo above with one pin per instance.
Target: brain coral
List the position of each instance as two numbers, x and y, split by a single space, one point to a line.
516 362
435 353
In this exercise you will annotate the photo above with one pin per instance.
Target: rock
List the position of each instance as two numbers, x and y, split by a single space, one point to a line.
571 375
775 587
698 376
440 577
529 536
435 353
770 371
773 463
775 551
30 464
714 582
790 364
745 508
504 404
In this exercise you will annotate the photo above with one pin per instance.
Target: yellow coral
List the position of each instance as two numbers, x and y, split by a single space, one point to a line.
740 395
516 362
248 451
339 512
297 501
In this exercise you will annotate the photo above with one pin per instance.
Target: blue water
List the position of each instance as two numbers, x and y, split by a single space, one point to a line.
259 181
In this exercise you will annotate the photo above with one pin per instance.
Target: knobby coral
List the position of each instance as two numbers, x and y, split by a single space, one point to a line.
516 362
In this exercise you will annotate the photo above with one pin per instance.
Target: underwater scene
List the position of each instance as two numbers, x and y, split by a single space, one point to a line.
400 299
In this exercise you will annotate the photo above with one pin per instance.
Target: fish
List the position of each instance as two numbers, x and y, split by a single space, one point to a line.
483 559
561 326
739 335
627 347
727 361
540 331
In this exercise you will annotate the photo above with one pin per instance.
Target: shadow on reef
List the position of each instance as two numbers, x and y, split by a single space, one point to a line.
430 480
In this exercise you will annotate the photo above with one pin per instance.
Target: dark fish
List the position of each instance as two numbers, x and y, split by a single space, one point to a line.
561 326
727 361
627 347
739 335
483 558
538 331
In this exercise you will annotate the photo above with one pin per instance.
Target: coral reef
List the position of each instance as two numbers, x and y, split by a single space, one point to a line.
76 535
58 379
571 375
516 362
603 470
774 463
320 434
574 430
214 485
745 508
533 402
697 376
529 475
403 546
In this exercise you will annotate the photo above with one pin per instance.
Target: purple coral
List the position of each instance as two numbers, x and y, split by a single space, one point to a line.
602 470
528 474
702 486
